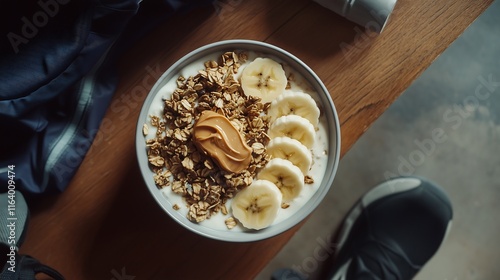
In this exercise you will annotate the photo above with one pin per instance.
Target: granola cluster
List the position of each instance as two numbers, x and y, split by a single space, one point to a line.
172 154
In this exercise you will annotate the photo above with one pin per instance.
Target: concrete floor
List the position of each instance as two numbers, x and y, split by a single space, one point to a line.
453 97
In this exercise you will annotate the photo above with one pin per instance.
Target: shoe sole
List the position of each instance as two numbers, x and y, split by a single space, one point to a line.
384 189
20 209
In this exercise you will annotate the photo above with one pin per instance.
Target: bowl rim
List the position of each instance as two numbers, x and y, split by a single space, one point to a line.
333 145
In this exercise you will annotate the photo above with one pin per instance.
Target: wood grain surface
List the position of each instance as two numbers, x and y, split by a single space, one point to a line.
107 224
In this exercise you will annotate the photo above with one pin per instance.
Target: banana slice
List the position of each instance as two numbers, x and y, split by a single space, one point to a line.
295 127
257 205
286 176
292 150
264 78
295 103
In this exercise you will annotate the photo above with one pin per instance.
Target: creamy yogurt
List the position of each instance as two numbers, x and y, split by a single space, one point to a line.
319 150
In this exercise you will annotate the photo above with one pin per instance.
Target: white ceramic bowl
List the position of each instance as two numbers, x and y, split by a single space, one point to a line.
327 110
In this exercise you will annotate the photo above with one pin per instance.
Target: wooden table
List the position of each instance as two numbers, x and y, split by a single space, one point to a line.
106 225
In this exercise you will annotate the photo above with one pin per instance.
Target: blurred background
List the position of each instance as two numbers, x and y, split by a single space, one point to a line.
445 127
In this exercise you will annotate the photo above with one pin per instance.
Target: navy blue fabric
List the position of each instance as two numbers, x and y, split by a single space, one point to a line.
57 77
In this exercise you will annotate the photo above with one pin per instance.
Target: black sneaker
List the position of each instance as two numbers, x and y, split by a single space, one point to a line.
393 231
14 216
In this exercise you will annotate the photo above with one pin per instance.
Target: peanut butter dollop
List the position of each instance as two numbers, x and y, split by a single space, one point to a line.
214 134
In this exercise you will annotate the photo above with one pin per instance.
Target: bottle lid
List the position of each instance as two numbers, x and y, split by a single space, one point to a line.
371 14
